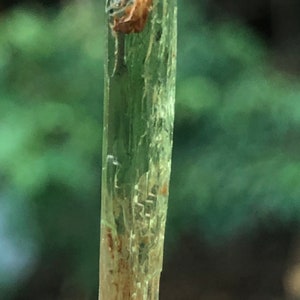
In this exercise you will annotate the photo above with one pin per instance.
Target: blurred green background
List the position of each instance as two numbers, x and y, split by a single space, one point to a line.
234 209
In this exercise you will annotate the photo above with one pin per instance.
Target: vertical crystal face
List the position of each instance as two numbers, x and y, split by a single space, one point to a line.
139 114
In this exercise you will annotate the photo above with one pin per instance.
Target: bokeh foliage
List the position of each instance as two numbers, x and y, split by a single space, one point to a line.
236 142
236 158
51 82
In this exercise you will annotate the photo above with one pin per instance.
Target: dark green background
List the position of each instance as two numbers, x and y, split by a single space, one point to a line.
234 205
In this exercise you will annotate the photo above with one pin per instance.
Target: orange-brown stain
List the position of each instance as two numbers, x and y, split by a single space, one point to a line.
164 190
134 18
